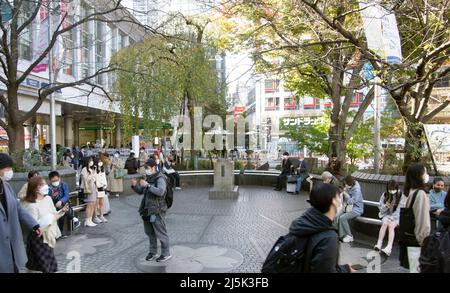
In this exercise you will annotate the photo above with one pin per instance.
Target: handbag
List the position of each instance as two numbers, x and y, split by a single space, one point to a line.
119 173
407 237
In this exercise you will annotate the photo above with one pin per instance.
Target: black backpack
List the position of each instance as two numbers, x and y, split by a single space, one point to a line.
435 253
288 255
407 237
169 191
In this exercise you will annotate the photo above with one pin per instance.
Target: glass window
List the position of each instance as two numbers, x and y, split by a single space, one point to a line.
272 85
69 47
99 50
85 61
26 36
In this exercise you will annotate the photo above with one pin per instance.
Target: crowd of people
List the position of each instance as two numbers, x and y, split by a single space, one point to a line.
339 199
42 206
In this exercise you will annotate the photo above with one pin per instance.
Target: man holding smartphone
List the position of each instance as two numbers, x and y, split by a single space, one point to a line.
59 191
153 210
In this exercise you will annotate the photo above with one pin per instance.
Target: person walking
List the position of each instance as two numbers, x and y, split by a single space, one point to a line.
41 256
153 210
12 217
115 175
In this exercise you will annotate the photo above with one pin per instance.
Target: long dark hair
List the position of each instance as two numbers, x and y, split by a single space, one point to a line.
413 179
99 169
392 184
86 162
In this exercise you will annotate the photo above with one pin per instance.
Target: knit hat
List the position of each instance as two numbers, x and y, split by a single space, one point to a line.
5 161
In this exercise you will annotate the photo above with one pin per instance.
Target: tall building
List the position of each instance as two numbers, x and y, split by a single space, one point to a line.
82 115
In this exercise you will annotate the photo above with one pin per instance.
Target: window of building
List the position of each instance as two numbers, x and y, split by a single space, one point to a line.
85 44
113 38
291 103
271 85
444 82
311 103
26 36
272 104
122 40
69 47
99 50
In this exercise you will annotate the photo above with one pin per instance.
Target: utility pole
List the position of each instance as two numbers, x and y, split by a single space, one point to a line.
52 96
377 127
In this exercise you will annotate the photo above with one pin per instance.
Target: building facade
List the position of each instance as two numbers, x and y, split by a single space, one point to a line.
83 116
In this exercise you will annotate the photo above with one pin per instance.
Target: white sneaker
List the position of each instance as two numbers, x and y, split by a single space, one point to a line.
103 219
96 220
387 251
177 188
76 223
347 239
88 223
117 195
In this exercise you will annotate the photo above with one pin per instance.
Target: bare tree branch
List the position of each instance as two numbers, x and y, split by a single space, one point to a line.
435 111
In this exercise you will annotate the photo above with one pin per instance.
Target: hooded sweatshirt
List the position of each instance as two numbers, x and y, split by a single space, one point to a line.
323 242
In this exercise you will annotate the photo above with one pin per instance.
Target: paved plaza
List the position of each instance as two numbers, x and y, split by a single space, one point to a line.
206 235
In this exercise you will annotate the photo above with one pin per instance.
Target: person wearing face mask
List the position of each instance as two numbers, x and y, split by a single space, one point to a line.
153 209
316 227
12 218
391 202
88 184
23 191
159 164
116 182
101 184
40 252
327 177
415 182
286 166
437 197
59 193
354 207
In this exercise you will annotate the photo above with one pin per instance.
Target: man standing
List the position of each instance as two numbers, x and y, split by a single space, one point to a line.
12 249
302 171
286 165
153 210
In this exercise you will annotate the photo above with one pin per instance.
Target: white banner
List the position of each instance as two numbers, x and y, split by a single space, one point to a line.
380 29
42 44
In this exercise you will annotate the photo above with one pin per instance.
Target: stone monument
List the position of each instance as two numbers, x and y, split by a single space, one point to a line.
224 187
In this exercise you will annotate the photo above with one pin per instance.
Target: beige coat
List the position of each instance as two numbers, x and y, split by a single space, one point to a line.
421 210
116 185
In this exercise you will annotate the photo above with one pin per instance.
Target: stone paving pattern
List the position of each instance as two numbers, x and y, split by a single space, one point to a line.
249 225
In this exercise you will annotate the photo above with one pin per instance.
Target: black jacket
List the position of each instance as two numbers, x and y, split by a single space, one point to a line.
286 166
303 168
131 164
153 200
323 248
444 218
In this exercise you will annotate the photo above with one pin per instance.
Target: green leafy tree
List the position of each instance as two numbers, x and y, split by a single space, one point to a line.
361 143
314 137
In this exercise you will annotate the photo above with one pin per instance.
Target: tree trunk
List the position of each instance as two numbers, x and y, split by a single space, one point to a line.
337 142
413 144
16 143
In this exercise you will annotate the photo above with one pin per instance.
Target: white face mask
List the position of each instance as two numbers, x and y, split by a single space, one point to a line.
426 178
55 184
91 164
157 161
8 175
44 190
392 191
148 172
347 186
100 164
116 155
